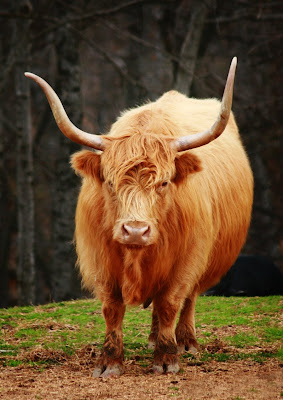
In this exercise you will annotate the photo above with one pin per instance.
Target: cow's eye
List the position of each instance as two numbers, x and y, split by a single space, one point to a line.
110 185
162 186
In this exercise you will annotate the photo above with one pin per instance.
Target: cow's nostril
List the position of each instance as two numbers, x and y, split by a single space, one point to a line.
146 231
125 230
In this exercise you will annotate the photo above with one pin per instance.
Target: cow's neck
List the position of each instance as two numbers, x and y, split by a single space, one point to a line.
142 276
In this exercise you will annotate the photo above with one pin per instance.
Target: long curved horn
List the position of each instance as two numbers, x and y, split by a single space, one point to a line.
62 120
202 138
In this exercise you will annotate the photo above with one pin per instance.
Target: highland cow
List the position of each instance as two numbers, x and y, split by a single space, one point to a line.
162 214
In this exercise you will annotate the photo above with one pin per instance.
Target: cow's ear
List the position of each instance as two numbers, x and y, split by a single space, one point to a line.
87 163
186 164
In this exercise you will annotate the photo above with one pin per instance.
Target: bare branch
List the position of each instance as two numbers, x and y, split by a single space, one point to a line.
117 8
31 16
9 125
108 57
143 42
252 15
270 40
88 15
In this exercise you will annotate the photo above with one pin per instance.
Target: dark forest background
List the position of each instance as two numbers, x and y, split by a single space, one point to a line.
102 57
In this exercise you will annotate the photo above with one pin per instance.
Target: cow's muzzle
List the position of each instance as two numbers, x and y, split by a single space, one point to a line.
134 233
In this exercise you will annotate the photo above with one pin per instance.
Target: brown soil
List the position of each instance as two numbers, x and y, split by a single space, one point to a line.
71 380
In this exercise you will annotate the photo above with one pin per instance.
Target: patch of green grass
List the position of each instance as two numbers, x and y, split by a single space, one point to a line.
12 363
237 310
62 326
242 323
241 340
259 357
272 333
248 328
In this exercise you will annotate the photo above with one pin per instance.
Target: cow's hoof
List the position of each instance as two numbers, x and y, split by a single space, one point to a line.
166 368
165 358
191 346
190 349
173 368
151 345
108 372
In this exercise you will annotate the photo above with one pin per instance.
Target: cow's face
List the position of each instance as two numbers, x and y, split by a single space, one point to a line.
138 176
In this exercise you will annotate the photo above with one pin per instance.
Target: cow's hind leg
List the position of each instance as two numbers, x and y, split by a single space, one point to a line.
165 353
110 362
185 331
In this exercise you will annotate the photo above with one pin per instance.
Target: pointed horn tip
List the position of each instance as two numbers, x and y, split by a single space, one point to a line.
234 62
32 76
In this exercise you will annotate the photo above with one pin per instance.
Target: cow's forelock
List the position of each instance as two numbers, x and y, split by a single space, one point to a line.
125 155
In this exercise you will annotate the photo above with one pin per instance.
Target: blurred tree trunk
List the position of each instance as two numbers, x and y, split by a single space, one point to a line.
4 215
152 68
25 267
7 209
65 285
190 47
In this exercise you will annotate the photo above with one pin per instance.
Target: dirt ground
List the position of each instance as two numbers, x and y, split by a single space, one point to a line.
71 380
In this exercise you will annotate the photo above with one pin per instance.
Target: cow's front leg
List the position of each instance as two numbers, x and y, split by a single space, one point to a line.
185 331
110 362
154 330
165 353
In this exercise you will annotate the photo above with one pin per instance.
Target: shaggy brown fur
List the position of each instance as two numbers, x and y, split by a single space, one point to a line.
197 205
